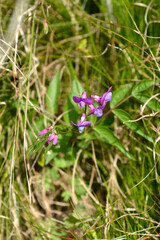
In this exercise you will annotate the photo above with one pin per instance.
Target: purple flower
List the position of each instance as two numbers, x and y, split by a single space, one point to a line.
54 138
82 100
105 98
83 123
44 131
96 111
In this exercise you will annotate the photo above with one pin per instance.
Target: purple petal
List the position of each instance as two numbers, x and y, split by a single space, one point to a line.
91 108
103 106
73 123
44 131
98 112
88 101
80 128
76 99
84 94
50 138
90 113
55 139
105 97
85 124
108 97
96 98
83 118
49 128
81 104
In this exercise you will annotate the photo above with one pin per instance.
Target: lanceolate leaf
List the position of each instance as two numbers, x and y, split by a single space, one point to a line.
53 94
107 134
153 103
142 85
77 88
124 117
71 71
82 44
71 108
119 95
70 113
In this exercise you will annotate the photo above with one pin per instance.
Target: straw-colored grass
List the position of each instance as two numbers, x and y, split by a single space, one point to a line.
103 183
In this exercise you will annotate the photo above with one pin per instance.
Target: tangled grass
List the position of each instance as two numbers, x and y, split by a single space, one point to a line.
104 183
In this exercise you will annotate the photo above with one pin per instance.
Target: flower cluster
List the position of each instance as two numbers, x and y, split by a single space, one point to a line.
82 101
52 137
98 111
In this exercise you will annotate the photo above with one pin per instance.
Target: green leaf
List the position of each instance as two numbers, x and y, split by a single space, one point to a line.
119 95
77 88
66 195
82 44
124 117
37 127
35 147
143 98
71 71
142 85
53 94
72 109
41 161
60 163
53 173
49 157
70 113
31 104
79 189
107 134
93 119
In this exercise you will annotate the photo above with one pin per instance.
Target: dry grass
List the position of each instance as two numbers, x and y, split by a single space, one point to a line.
85 187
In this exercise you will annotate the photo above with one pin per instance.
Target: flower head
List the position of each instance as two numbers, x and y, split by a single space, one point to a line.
82 100
96 111
46 130
54 138
105 98
83 123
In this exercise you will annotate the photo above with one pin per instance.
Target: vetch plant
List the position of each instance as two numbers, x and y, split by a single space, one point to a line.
46 130
82 100
93 110
105 98
96 111
52 137
83 123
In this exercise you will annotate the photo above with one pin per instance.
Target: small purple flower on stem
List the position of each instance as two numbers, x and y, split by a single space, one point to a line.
54 138
105 98
96 111
83 123
46 130
82 100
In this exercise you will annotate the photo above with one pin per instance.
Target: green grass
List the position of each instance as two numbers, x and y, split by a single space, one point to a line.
103 183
